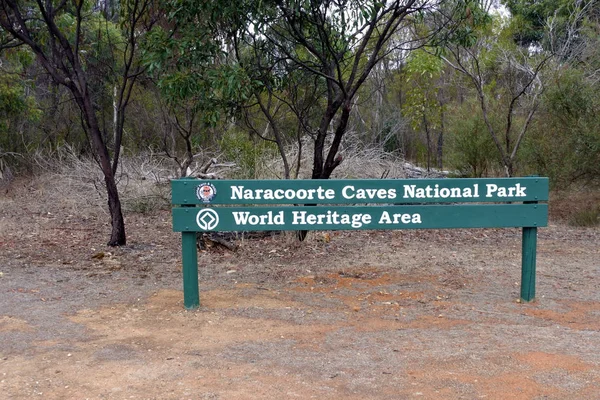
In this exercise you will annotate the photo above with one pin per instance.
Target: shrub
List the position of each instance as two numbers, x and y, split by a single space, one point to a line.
471 149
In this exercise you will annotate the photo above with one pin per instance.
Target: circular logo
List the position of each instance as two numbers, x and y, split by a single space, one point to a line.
206 192
207 219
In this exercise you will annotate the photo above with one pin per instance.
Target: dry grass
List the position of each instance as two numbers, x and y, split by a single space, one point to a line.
577 208
77 185
358 162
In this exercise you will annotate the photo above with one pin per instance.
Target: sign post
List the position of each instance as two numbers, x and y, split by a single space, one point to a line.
258 205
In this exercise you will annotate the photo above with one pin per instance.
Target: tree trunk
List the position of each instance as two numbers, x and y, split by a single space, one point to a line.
319 151
428 138
59 54
440 142
440 150
323 170
117 236
509 168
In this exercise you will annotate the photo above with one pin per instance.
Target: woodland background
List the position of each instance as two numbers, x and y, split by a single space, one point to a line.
106 92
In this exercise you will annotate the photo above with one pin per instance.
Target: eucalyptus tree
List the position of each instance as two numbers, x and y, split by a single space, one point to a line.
554 25
337 43
18 105
199 83
285 101
425 99
566 140
505 77
67 39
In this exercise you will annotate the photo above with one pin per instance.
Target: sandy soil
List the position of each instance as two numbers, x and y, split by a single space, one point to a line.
347 315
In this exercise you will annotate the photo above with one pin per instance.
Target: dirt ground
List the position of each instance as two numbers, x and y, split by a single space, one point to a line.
347 315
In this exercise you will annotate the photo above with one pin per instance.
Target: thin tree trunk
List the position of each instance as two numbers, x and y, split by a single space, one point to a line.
333 159
117 236
440 150
440 142
266 109
428 137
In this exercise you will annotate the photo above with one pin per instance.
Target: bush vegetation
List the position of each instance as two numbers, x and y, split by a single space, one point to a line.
477 94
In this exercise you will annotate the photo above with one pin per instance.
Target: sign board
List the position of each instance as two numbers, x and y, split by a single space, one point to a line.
396 204
258 205
196 219
364 191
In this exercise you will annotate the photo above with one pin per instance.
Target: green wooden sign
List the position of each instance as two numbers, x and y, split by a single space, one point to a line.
203 219
258 205
363 191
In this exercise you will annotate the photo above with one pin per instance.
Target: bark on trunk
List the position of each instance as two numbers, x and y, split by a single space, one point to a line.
324 169
440 151
117 236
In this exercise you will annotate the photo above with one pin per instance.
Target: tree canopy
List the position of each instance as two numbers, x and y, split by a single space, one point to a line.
453 84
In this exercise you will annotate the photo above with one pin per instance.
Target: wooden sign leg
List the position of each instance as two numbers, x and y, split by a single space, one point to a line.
528 264
191 297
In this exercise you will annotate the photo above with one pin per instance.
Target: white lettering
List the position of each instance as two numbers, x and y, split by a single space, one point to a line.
330 218
385 218
399 218
236 192
269 218
301 194
435 192
345 193
299 218
241 217
358 220
279 218
491 188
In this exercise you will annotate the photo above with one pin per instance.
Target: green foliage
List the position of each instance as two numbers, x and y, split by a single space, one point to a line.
565 144
421 72
247 152
104 44
471 150
296 74
469 19
12 101
530 18
197 79
18 106
191 69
